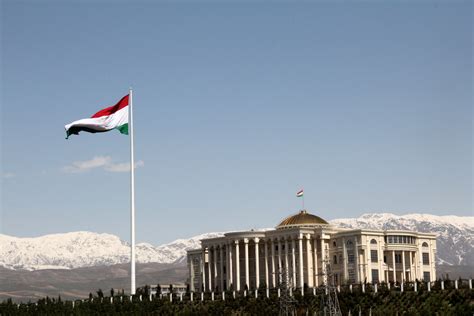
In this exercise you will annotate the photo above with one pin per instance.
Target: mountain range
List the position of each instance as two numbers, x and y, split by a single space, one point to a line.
87 249
455 243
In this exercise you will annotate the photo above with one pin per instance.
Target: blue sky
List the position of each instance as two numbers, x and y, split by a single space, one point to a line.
368 106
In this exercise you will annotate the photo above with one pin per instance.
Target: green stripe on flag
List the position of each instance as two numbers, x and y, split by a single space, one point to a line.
123 128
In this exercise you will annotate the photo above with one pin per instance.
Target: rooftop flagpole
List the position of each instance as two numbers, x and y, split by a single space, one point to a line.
300 194
132 197
303 201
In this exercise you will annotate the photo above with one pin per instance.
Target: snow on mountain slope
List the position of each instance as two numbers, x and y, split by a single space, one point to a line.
455 234
85 249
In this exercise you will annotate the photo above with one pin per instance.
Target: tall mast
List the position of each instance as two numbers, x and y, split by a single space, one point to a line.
132 196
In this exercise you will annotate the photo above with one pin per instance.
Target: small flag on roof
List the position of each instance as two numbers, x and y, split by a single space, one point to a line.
299 193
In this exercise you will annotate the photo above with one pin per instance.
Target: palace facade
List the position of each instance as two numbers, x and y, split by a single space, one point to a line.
310 252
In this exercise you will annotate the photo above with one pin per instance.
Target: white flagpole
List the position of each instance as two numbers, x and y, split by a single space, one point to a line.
132 196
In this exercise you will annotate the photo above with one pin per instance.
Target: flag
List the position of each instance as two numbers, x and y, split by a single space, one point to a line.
113 117
299 193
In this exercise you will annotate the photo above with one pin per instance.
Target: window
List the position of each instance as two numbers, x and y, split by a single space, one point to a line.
385 259
375 275
374 256
373 242
351 276
398 258
334 244
426 276
396 239
335 259
424 244
350 257
349 243
426 258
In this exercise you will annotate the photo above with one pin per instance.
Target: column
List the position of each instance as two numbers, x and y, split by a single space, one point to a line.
394 267
237 266
309 268
273 262
380 255
403 266
209 279
279 261
300 249
410 254
293 262
315 254
203 267
210 268
368 265
265 244
257 264
191 274
221 248
356 258
420 260
246 245
230 272
344 260
432 262
416 262
215 269
323 261
202 285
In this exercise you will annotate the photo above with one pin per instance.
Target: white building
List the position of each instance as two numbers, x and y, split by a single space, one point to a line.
304 245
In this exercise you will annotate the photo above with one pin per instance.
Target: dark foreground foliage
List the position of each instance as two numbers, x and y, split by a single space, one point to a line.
447 302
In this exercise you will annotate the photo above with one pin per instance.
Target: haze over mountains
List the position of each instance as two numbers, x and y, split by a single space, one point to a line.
86 249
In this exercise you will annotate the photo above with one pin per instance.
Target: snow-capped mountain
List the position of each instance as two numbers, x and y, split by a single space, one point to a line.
86 249
455 234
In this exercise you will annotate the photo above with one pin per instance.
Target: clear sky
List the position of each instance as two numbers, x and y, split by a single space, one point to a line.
366 105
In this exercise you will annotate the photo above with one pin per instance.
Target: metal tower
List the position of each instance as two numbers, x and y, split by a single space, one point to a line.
287 302
330 303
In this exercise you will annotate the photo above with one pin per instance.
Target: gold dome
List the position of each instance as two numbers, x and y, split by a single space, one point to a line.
303 218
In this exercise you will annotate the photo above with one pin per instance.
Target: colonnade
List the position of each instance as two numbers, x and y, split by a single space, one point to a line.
414 267
297 255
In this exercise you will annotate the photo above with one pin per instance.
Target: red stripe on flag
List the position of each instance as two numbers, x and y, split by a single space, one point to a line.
112 109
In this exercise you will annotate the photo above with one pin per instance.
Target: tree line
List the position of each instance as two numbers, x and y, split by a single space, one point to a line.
384 302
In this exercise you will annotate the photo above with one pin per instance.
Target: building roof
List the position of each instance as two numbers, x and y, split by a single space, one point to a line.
303 218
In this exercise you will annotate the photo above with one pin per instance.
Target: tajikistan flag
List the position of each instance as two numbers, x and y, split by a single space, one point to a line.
113 117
